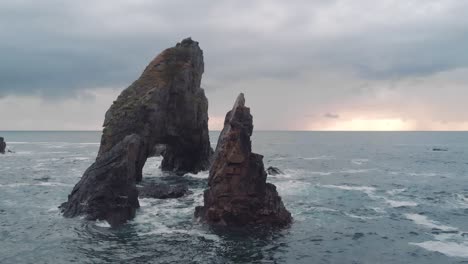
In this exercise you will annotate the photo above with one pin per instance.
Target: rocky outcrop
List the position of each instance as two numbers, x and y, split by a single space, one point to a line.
2 145
273 171
237 193
166 106
107 190
163 112
162 191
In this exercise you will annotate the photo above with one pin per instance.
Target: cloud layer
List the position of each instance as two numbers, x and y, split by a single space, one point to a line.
319 64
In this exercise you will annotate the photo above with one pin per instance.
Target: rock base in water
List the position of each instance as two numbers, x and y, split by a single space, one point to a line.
2 145
238 194
273 171
107 190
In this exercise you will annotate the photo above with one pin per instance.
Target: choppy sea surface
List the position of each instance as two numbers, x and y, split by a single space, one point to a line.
356 197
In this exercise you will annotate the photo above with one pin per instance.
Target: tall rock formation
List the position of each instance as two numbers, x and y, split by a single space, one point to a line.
238 194
2 145
164 107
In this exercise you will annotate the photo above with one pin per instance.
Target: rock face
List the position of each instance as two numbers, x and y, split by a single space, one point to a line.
107 190
238 194
163 112
2 145
162 191
166 106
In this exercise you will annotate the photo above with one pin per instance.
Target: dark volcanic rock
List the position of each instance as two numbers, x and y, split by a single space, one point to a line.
163 112
273 171
166 106
107 190
238 194
2 145
162 191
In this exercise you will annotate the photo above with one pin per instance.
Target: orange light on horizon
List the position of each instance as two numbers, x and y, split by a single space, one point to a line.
370 125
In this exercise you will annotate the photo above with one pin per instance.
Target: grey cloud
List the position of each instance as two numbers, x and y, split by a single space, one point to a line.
54 48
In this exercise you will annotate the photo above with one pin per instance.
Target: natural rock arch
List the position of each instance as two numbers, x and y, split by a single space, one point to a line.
164 106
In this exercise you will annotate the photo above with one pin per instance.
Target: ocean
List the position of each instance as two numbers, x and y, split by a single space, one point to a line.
356 197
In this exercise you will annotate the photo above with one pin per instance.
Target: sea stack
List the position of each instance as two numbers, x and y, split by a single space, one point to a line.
165 109
2 145
238 194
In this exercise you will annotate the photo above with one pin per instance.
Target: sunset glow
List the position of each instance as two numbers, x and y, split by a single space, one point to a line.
370 125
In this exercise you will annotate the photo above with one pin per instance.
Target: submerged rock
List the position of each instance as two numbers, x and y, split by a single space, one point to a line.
164 112
162 191
439 149
2 145
273 171
238 194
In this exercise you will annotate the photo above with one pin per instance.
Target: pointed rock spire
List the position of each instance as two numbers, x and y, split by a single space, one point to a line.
238 193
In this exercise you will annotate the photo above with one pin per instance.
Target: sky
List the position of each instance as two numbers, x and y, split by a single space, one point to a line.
302 64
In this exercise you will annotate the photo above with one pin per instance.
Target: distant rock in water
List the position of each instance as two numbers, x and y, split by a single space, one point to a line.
273 171
2 145
164 112
162 191
238 194
439 149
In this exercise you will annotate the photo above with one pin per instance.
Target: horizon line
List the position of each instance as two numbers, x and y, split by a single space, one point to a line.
258 130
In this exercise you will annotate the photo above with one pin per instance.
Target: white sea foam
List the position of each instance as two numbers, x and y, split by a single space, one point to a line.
370 191
461 201
103 223
53 184
21 184
359 162
379 210
200 175
424 221
451 249
355 171
324 157
364 189
292 186
362 217
81 158
396 191
397 204
321 173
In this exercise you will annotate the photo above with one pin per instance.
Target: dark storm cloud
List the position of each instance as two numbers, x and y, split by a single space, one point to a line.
54 48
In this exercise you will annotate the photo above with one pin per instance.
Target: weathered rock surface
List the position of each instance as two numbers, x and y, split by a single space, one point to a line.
238 194
107 190
164 112
162 190
273 171
2 145
166 106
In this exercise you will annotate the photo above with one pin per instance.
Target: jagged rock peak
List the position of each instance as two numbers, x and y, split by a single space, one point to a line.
238 193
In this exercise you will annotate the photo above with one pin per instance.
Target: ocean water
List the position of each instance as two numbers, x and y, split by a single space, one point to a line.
356 197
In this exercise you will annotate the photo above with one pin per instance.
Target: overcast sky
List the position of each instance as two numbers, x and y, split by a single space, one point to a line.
302 64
